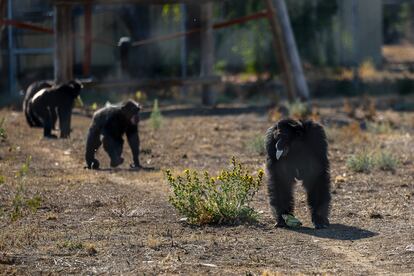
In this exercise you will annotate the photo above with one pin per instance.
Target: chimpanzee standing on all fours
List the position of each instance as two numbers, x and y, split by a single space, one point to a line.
111 123
298 150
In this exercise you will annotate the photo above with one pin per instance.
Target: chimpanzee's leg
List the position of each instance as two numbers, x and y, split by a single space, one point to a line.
113 146
319 197
280 188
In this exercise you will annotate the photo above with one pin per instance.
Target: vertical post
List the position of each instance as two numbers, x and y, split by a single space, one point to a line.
183 48
87 51
287 50
12 56
63 60
207 51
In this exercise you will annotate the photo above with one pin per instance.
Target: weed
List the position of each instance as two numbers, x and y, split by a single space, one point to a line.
257 144
361 162
3 133
386 161
215 200
2 180
380 127
298 110
156 116
20 203
71 245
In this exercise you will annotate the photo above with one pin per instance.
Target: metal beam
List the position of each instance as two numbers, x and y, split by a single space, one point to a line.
122 2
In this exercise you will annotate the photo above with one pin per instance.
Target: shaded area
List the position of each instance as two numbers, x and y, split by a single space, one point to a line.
338 232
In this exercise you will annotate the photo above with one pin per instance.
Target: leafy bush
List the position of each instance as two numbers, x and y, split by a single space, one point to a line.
386 161
223 199
156 116
257 144
361 162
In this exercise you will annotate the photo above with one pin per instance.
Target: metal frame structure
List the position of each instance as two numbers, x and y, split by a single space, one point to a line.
15 52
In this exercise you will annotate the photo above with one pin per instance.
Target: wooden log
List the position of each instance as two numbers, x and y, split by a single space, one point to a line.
207 51
87 51
286 50
63 59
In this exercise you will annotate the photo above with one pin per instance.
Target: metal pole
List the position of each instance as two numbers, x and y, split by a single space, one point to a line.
12 57
183 49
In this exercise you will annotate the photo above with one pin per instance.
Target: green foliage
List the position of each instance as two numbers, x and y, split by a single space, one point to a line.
3 133
380 127
386 161
156 116
298 109
361 162
2 180
24 169
20 203
223 199
257 144
71 245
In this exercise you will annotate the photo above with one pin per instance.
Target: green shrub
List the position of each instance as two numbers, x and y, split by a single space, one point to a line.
223 199
257 145
156 116
386 161
362 162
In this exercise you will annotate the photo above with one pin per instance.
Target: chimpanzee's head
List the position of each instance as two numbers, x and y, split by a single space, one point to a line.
74 87
131 111
286 132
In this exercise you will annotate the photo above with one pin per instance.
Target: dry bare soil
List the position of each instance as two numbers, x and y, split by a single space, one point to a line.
118 221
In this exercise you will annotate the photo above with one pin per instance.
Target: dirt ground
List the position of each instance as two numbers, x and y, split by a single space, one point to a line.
120 222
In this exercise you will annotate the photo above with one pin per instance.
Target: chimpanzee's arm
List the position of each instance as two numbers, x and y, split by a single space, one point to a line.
133 141
92 145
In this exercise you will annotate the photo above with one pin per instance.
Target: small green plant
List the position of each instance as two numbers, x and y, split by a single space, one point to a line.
386 161
2 180
20 203
298 109
3 133
257 144
223 199
380 127
71 245
156 116
361 162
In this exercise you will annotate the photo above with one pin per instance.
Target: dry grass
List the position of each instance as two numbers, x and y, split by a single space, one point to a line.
120 221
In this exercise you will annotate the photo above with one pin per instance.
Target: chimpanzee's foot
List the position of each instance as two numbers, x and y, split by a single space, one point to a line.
320 222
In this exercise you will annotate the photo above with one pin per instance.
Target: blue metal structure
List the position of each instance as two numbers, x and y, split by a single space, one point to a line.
15 52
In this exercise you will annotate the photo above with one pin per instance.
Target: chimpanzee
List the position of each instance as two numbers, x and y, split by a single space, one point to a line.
31 119
112 122
55 100
298 149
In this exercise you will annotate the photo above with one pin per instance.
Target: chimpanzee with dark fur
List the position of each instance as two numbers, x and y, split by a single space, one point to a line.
298 149
112 122
55 100
35 87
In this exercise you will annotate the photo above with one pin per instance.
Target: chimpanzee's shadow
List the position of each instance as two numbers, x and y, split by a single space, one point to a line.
145 169
338 232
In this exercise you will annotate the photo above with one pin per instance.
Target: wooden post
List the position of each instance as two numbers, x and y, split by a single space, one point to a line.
63 62
87 51
287 51
207 51
3 6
